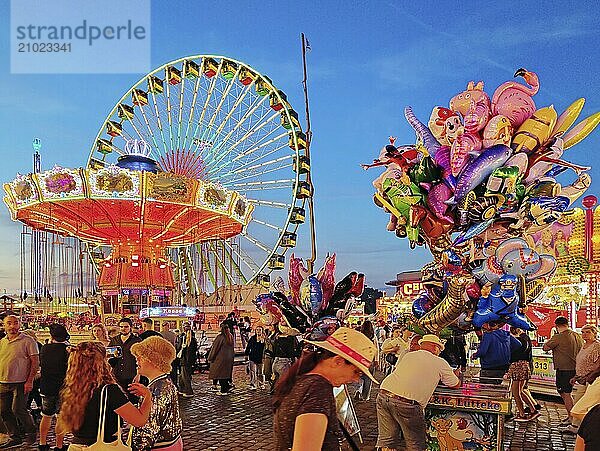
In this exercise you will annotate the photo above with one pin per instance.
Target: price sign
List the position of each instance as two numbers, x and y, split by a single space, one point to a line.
543 368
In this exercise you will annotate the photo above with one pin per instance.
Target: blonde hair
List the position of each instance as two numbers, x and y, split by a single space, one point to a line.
88 370
103 327
591 327
157 351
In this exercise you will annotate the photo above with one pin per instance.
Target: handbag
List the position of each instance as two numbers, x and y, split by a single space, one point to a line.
100 445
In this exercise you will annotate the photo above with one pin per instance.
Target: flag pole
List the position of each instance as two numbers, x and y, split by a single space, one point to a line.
313 234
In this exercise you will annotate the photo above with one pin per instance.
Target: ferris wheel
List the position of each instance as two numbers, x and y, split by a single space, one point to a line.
219 120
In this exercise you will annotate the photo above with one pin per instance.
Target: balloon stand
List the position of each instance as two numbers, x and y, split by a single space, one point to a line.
471 417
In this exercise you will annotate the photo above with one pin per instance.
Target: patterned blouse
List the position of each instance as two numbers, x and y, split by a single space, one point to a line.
164 424
588 359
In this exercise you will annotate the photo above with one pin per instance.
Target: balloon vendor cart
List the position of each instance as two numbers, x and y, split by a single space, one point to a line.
471 417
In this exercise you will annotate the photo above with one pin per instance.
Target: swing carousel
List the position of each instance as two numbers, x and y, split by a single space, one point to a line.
195 182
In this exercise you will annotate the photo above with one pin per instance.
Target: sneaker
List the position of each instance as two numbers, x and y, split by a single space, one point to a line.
187 395
220 393
12 443
64 448
535 415
538 407
565 421
570 429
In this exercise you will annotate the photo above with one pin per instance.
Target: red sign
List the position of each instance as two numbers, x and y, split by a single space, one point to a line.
410 289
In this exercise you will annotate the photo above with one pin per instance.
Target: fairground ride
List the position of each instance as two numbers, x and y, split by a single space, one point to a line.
183 161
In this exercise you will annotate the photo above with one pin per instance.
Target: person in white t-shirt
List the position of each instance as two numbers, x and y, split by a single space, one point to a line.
406 391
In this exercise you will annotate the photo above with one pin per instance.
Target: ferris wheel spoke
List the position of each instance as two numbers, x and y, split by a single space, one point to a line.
209 94
224 97
169 120
270 204
150 131
255 175
232 110
256 149
247 116
247 166
159 123
192 109
254 241
179 117
264 184
243 258
258 127
135 129
266 224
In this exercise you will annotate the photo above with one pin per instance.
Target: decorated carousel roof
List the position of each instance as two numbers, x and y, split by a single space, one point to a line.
116 205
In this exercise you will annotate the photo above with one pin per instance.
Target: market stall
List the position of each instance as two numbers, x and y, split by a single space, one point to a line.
470 417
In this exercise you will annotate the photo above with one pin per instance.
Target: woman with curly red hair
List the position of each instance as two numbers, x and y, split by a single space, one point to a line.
89 378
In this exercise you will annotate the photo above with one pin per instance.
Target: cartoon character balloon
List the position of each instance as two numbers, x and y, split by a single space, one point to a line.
479 179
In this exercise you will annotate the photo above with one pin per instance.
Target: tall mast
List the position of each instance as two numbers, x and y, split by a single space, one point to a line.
313 234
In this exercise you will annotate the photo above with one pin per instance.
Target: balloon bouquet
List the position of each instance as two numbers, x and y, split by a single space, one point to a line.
316 305
479 182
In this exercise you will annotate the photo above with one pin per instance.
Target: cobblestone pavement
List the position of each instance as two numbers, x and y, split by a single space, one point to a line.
243 421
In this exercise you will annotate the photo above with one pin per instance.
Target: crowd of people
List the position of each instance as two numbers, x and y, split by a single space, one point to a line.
91 389
136 379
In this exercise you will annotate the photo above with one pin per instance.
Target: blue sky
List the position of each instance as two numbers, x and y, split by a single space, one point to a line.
368 61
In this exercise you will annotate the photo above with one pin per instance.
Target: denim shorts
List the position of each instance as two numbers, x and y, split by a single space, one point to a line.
50 405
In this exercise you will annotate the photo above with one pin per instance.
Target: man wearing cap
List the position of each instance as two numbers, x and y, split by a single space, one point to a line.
54 359
19 363
405 393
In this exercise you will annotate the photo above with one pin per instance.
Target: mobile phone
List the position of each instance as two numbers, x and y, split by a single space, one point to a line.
114 351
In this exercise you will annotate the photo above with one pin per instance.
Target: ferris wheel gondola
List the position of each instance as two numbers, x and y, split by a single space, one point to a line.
221 121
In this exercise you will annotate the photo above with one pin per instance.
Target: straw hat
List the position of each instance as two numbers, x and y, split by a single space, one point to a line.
157 350
430 338
353 346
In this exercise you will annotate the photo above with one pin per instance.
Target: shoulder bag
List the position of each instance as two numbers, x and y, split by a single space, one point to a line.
100 445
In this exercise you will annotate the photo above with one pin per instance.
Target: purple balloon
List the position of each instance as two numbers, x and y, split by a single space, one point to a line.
436 201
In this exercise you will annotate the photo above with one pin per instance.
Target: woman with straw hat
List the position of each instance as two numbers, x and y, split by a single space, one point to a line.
305 409
163 428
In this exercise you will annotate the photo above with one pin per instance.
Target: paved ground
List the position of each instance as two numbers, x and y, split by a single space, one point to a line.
243 421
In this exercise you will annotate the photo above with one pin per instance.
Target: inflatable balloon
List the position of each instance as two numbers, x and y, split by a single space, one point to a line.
479 180
326 277
502 304
322 328
514 100
321 306
447 311
514 257
422 304
311 296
